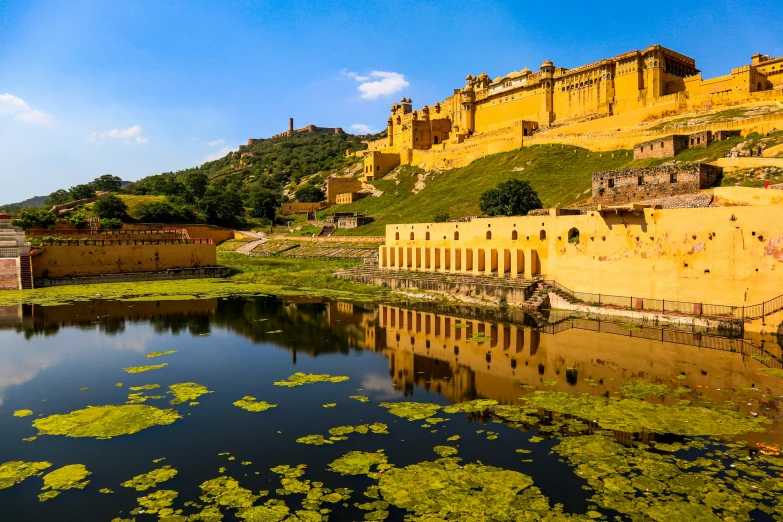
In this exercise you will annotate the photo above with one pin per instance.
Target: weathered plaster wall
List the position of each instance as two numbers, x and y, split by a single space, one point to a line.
617 187
9 273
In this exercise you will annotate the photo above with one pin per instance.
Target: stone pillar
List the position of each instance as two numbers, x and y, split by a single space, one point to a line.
290 126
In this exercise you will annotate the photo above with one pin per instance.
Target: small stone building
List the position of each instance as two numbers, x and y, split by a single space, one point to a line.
669 146
618 187
352 221
336 186
348 197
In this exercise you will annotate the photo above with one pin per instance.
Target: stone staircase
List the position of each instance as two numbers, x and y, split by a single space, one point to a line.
26 272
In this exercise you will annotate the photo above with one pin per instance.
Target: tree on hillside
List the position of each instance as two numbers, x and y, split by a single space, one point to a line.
222 206
107 183
196 183
111 206
309 195
58 197
264 204
509 198
34 218
83 191
160 212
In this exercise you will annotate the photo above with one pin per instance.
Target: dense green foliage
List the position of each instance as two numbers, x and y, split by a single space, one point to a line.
111 224
514 197
309 194
34 218
110 206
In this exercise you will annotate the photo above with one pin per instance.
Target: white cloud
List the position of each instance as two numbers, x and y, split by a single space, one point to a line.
378 83
218 154
129 136
10 104
215 143
363 128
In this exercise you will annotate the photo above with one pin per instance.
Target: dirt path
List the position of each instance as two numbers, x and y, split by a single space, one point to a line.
247 248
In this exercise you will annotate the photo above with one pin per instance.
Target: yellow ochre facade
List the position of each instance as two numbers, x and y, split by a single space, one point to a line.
487 115
730 255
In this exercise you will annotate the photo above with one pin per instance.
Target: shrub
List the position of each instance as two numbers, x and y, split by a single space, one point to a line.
111 206
111 224
309 195
441 218
34 218
509 198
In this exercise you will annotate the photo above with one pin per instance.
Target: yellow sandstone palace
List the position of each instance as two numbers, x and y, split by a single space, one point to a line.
487 116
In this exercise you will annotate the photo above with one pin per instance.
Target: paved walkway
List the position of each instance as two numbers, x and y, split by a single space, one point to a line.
247 248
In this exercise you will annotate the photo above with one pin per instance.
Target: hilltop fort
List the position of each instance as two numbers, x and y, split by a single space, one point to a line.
487 115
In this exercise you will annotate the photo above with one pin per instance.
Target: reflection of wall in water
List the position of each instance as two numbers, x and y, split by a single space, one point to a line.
490 369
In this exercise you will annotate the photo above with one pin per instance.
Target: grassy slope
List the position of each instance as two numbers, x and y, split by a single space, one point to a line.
561 174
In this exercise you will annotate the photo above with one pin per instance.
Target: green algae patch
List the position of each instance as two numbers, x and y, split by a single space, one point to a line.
142 369
144 387
315 440
357 462
330 405
150 479
158 502
140 398
106 421
476 406
300 379
106 491
341 431
160 354
360 398
16 471
272 511
453 438
187 391
63 479
445 490
642 390
226 491
632 415
445 451
252 404
23 413
411 410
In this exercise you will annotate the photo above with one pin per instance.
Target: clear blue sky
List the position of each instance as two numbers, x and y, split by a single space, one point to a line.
142 87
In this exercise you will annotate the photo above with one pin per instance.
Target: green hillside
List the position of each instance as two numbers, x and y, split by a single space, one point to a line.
34 202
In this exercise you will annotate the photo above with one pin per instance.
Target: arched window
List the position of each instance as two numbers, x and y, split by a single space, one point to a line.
456 236
573 235
427 236
397 236
411 235
435 140
542 235
489 234
758 87
514 235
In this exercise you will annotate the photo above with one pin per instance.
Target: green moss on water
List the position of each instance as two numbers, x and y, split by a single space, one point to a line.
23 413
252 404
453 438
300 379
316 440
377 428
158 502
642 389
187 391
16 471
631 415
357 462
360 398
105 421
445 451
68 477
330 405
475 406
150 479
160 354
411 410
226 491
142 369
106 491
272 511
144 387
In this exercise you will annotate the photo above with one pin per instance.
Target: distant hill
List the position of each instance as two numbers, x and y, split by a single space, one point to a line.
35 201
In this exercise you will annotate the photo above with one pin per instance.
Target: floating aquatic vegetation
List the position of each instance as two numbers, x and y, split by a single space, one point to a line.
16 471
475 406
275 332
633 416
144 387
445 490
774 372
377 427
445 451
477 338
118 385
453 438
84 389
30 439
68 477
140 398
642 389
246 463
140 369
187 391
491 435
317 440
523 451
516 413
226 491
535 438
158 502
160 354
330 405
252 404
155 461
150 479
105 421
549 383
273 510
106 491
357 462
411 410
360 398
300 379
23 413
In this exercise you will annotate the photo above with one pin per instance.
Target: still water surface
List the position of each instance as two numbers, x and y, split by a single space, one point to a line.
238 348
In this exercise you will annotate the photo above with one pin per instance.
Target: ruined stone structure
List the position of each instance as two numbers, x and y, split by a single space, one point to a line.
617 187
723 255
290 132
495 115
670 146
352 221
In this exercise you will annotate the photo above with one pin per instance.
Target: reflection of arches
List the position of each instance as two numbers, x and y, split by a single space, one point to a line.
514 235
435 140
573 235
489 234
456 236
397 236
542 235
411 235
427 236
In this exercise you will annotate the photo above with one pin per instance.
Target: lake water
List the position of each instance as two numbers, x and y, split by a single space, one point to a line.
61 359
